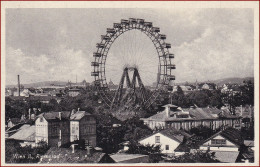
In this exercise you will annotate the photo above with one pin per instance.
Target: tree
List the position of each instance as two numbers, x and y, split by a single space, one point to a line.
154 151
28 154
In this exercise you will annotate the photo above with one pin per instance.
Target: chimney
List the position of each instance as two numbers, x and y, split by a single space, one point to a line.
167 110
241 113
73 112
59 115
89 150
29 112
18 77
78 109
73 148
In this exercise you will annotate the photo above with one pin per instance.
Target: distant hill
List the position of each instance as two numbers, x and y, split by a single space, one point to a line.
40 84
220 82
223 81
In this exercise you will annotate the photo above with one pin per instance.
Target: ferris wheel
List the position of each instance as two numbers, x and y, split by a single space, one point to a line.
164 64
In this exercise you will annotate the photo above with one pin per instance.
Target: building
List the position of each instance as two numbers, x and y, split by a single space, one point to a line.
25 135
13 121
225 144
83 127
177 118
53 127
74 92
130 158
71 155
59 128
169 139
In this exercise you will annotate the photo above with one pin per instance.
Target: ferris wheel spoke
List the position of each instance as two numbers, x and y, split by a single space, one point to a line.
133 45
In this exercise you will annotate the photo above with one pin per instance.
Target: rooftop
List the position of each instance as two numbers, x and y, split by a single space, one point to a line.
65 155
119 157
54 116
78 115
25 133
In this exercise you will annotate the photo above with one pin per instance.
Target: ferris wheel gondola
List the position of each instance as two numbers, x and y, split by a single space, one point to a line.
165 65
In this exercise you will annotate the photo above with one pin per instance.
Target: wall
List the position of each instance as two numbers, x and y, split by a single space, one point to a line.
87 129
227 147
41 133
164 140
74 130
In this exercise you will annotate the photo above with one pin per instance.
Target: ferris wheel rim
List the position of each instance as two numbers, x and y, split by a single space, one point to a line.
114 33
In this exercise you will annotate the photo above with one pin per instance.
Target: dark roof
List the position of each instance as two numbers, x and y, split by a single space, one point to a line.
231 134
74 89
38 98
65 155
200 113
54 116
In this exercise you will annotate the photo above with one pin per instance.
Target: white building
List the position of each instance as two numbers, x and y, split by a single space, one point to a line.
225 144
168 139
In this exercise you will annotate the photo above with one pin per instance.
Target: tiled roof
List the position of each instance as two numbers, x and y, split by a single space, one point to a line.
26 133
65 155
200 114
119 157
195 114
177 135
231 134
54 116
226 156
78 115
249 143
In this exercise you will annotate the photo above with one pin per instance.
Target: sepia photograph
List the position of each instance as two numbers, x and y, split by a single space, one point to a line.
130 83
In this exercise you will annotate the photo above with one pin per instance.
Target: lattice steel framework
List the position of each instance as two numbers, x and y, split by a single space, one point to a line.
165 65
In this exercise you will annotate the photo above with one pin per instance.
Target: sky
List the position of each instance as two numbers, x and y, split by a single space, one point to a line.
58 44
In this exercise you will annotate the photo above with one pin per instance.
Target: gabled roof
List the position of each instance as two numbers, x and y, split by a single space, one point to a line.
26 133
78 115
231 134
54 116
66 156
177 135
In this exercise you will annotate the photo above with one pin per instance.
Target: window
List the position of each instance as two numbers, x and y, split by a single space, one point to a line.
41 119
166 147
218 141
157 139
73 129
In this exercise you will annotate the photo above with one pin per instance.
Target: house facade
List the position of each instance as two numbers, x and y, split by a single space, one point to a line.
53 128
168 139
83 127
225 144
175 117
59 128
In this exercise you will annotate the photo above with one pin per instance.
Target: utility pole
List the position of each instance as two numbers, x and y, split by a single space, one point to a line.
19 87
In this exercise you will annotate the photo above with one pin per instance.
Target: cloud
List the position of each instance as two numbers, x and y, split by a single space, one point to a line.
57 44
63 64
